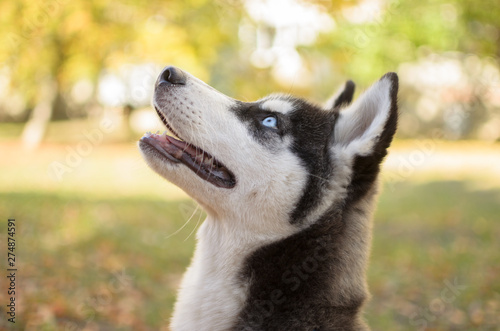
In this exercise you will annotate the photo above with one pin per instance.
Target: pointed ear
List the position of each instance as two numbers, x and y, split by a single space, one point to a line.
343 97
368 125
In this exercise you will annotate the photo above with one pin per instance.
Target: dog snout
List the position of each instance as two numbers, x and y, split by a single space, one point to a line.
171 76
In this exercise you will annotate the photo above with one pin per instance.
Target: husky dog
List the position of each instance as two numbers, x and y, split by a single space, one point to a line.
288 187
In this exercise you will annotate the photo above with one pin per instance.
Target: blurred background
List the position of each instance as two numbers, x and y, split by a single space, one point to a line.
102 241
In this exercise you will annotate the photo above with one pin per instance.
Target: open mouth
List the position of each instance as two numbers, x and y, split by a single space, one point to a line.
176 150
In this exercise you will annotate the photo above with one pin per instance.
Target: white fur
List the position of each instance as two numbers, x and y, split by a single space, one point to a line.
278 105
360 123
239 220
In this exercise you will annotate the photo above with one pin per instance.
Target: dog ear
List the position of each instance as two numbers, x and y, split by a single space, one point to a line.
343 97
367 126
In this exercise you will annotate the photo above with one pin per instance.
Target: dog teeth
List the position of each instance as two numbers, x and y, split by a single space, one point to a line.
210 163
178 154
205 160
199 158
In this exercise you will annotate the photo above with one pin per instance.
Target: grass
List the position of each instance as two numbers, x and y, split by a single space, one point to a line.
86 261
428 238
101 248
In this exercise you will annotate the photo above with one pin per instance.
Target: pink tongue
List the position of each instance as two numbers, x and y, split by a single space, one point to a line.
181 145
175 148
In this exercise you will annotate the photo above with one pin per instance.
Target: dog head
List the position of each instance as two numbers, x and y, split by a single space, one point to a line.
273 164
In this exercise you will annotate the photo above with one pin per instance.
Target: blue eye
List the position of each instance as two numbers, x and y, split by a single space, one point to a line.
270 122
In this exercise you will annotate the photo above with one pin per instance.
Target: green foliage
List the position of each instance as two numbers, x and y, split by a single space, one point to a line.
65 42
68 41
78 39
397 34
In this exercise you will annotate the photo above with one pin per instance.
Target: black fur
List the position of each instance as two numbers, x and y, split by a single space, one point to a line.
310 129
293 281
345 97
366 168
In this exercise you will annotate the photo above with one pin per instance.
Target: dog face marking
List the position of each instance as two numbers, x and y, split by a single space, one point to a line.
307 130
277 104
277 177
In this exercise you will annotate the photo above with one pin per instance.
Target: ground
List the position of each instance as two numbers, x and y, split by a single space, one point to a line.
102 244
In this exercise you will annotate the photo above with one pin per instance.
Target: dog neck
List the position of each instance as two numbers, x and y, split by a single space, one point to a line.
211 294
248 279
314 279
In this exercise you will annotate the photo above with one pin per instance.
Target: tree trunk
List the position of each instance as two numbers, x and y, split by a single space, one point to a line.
34 129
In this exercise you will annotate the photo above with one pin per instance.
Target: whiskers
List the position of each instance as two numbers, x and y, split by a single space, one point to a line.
186 223
197 222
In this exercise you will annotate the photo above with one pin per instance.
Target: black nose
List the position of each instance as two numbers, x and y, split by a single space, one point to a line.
171 76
